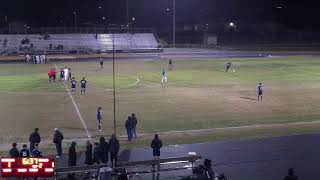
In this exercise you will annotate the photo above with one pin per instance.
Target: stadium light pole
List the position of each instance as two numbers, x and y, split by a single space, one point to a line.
174 24
114 89
127 13
75 19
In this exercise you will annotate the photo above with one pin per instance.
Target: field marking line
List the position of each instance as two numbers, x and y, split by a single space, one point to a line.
137 82
231 128
36 93
77 109
5 146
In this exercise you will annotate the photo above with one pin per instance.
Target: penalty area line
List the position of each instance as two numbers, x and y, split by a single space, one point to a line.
135 83
76 108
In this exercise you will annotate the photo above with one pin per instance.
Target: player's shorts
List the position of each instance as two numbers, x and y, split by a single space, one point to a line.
73 86
61 76
164 78
156 152
83 86
260 93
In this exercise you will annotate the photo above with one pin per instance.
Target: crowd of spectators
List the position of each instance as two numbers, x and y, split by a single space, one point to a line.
109 149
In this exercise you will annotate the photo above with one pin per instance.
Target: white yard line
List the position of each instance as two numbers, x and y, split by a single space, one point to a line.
6 146
137 82
36 93
233 128
77 109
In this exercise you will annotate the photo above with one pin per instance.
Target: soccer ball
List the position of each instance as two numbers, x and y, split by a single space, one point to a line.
233 70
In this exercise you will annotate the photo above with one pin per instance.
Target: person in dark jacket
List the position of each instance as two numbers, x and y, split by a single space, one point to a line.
156 145
25 151
129 126
114 149
88 158
97 154
57 140
14 152
36 152
34 139
134 125
104 145
291 175
72 156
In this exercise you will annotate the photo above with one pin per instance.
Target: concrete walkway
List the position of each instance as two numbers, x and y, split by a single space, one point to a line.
258 159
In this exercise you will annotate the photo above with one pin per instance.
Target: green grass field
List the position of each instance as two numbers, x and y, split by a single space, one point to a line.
199 95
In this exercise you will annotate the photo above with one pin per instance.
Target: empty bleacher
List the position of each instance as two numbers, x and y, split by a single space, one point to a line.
90 43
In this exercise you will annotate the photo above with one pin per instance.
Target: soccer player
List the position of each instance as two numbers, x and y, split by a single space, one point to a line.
73 85
170 64
83 85
54 72
101 63
61 74
99 117
69 74
50 75
228 65
24 152
260 91
164 76
66 73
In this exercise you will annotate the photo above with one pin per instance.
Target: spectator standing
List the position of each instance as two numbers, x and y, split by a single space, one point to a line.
134 125
57 140
156 145
129 126
104 145
99 118
114 149
14 152
97 154
72 156
24 151
34 139
36 152
88 158
291 175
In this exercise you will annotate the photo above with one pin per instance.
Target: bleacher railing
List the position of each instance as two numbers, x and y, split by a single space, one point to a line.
73 30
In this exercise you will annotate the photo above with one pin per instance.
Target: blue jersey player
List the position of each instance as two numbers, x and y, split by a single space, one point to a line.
260 91
73 85
83 85
99 117
228 65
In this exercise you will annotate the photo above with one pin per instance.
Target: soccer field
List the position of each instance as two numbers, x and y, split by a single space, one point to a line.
200 102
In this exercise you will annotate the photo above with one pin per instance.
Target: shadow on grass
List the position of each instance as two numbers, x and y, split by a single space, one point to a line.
248 98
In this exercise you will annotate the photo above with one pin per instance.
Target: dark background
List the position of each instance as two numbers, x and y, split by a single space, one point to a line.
212 16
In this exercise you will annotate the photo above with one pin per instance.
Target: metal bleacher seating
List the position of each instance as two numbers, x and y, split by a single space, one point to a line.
139 167
79 42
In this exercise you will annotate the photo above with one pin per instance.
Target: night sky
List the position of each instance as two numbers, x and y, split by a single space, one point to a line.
148 13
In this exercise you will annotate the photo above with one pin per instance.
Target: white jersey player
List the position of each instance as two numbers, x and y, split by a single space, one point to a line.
164 76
